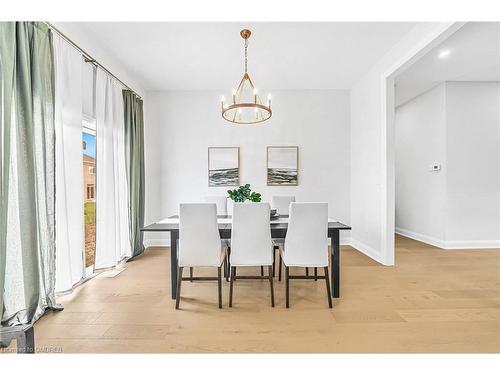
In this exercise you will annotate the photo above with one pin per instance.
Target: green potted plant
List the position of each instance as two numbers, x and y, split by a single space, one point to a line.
244 193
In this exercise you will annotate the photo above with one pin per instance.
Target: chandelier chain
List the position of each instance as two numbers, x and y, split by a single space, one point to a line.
246 58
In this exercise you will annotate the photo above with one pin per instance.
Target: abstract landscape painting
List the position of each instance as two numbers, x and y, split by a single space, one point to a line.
282 165
223 166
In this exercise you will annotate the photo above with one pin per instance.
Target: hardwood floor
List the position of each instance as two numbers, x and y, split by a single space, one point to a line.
432 301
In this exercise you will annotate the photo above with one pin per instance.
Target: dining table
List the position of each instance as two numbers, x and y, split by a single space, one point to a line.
279 226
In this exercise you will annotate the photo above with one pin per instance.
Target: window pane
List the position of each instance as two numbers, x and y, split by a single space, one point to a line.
89 204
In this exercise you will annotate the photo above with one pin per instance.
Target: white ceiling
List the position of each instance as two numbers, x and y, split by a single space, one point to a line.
473 54
209 56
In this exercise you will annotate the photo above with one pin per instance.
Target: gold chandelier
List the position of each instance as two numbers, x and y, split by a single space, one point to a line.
246 106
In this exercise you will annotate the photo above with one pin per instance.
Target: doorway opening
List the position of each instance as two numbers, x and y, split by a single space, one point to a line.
444 142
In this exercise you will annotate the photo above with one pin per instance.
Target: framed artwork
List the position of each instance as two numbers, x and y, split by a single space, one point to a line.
282 165
223 166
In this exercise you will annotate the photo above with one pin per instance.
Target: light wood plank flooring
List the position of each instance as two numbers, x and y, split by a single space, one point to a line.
432 301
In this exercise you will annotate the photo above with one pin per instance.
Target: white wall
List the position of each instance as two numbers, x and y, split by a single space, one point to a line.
420 128
473 160
456 124
181 125
372 159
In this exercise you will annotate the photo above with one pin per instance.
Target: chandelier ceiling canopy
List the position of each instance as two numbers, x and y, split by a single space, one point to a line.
246 106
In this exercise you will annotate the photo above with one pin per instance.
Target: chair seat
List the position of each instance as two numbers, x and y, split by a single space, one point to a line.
295 264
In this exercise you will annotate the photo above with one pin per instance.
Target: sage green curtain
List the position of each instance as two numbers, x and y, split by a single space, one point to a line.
27 249
134 157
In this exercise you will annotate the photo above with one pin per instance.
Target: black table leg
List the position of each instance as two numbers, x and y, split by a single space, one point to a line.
173 262
335 273
26 341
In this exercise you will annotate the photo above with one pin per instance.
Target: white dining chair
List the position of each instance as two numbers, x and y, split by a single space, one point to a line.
229 205
306 243
200 244
220 201
251 243
282 204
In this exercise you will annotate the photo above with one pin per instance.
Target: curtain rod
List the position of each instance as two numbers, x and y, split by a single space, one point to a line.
88 57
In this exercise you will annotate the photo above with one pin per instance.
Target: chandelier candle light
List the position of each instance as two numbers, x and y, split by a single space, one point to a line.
246 107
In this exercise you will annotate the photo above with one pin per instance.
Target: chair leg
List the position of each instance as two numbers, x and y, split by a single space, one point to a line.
327 280
261 270
228 275
225 267
219 286
274 260
279 266
233 274
307 271
191 273
179 281
287 288
315 273
272 285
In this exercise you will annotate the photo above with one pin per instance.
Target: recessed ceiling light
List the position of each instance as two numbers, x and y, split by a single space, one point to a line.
444 53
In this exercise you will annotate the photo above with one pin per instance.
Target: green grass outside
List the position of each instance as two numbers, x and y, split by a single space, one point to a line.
89 212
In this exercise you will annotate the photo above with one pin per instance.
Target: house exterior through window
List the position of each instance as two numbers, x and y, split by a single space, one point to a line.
89 177
90 192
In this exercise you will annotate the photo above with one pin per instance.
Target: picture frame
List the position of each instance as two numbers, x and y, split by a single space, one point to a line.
223 166
282 165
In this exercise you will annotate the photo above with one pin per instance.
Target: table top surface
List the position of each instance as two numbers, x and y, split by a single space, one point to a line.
225 222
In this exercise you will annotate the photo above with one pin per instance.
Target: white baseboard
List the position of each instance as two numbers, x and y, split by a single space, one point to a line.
346 241
367 250
421 237
449 245
156 243
468 245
